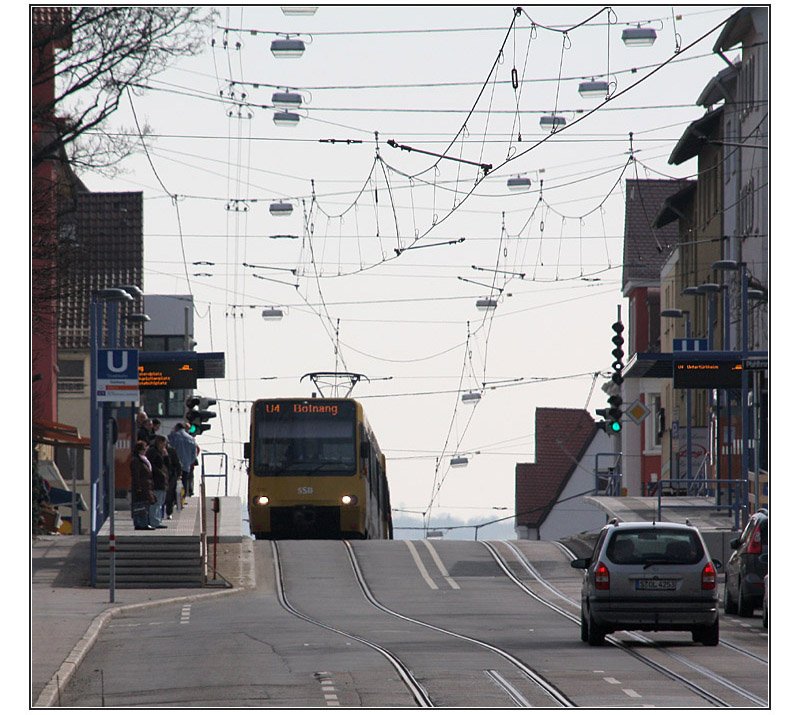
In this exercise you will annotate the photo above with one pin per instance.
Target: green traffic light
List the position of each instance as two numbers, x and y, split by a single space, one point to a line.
192 429
616 427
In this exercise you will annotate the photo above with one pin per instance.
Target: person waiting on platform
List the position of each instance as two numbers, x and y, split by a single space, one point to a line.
187 450
159 463
173 486
142 491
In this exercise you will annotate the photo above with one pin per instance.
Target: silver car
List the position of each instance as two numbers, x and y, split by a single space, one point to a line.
649 576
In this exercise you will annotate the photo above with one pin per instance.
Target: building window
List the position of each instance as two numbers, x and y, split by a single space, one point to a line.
164 403
69 461
71 378
654 425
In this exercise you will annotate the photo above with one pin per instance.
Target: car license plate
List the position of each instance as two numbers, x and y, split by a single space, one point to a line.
656 584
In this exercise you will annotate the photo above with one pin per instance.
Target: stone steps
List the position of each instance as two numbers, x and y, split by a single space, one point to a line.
150 561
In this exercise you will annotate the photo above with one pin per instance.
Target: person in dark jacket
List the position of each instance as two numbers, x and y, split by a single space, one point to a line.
159 462
173 498
142 492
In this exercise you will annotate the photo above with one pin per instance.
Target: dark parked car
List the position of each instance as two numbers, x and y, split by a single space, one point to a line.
649 576
747 566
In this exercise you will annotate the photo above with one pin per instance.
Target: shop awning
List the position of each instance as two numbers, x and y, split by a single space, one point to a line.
55 433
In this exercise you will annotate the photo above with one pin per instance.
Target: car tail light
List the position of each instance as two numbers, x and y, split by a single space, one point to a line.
754 545
708 580
602 577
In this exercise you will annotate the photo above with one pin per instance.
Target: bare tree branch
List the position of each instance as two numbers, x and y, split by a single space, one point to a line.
101 51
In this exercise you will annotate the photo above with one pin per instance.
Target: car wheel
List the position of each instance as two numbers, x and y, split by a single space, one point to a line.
584 627
730 604
744 606
594 634
708 635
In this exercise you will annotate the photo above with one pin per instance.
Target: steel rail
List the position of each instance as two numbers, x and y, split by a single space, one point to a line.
417 691
551 690
697 689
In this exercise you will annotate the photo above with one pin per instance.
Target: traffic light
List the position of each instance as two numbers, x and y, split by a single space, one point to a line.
614 411
612 419
617 352
614 414
603 423
197 413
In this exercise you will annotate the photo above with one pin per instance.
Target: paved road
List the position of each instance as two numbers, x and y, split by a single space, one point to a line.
249 650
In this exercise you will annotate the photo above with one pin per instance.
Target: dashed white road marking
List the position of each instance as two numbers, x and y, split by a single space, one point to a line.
421 566
328 690
440 565
631 693
186 614
612 681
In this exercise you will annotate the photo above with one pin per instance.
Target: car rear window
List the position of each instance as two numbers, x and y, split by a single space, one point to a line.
654 545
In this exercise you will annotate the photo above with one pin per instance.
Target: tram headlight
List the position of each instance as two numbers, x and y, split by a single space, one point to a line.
349 500
261 500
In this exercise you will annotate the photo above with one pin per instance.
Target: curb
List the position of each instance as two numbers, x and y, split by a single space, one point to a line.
51 692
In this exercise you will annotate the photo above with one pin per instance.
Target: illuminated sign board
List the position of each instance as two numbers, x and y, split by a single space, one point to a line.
160 375
301 408
707 373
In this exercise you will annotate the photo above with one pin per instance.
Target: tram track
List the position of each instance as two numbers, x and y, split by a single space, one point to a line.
554 693
693 686
417 691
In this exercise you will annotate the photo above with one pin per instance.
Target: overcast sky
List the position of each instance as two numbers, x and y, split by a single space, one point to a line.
380 265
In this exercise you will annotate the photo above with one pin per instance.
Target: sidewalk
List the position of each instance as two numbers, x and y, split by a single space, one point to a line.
67 615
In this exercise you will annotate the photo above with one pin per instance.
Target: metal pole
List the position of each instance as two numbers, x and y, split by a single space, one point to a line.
688 413
727 346
745 387
112 544
95 442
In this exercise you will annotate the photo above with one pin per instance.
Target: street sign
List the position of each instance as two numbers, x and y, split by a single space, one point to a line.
117 375
689 345
760 363
638 411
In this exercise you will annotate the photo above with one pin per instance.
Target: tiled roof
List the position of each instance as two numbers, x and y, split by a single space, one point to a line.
696 136
647 248
52 24
109 252
562 436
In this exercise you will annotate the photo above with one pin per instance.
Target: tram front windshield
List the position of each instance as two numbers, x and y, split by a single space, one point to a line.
290 443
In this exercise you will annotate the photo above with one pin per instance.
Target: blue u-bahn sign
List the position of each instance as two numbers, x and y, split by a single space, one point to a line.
117 375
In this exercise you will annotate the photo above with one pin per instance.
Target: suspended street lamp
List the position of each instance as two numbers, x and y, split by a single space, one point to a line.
458 462
471 397
638 36
272 313
486 304
552 121
518 183
287 47
286 119
593 88
287 100
298 9
281 208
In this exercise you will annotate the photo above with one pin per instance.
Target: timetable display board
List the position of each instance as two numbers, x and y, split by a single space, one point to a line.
160 375
701 373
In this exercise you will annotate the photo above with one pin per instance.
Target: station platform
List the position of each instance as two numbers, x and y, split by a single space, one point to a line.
227 525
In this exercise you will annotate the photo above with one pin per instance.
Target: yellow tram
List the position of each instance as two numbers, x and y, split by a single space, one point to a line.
315 471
